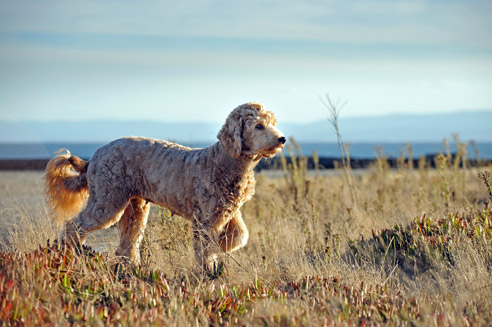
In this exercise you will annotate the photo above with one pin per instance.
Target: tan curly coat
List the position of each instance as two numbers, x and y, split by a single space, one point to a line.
206 186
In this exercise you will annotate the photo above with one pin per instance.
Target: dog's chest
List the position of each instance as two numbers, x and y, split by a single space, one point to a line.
237 191
247 188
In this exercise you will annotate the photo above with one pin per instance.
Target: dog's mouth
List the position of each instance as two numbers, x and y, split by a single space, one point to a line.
273 151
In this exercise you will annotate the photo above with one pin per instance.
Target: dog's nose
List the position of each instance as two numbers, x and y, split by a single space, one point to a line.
282 140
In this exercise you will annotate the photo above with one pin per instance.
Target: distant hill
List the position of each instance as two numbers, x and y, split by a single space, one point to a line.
400 128
392 128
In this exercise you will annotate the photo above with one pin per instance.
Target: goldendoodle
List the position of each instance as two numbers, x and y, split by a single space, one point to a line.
206 186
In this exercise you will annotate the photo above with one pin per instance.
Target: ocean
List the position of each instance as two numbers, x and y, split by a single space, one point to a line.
328 150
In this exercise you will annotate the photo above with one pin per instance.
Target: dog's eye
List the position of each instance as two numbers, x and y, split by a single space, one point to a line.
260 127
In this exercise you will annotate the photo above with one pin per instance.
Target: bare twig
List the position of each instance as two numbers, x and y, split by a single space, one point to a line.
334 109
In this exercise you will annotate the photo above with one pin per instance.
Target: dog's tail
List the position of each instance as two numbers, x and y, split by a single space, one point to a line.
66 185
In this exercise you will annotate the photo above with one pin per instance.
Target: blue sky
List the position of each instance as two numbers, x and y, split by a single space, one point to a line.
197 60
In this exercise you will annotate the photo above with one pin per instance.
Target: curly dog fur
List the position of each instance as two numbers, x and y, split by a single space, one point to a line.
206 186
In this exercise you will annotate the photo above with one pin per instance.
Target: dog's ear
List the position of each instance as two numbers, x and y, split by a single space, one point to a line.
230 136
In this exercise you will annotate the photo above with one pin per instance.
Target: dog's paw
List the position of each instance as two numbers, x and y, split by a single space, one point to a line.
216 271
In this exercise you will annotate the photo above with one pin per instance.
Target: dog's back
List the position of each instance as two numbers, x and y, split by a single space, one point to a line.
162 172
159 171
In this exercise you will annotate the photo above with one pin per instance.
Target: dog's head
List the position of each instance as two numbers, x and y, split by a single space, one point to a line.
250 129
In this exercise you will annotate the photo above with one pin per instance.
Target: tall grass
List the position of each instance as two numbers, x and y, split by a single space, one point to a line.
414 249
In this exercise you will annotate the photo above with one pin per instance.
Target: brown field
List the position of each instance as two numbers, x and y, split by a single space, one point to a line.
397 247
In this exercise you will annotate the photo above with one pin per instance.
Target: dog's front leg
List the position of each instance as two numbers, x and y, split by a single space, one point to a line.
207 237
205 246
234 235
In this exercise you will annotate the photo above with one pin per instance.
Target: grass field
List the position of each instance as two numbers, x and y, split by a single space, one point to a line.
400 247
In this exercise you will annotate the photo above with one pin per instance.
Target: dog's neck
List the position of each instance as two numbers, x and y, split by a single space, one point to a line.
244 164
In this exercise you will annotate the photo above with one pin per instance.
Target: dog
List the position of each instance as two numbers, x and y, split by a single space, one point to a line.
206 186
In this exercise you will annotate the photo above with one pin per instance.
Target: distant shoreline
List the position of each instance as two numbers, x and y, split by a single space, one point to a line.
330 151
275 163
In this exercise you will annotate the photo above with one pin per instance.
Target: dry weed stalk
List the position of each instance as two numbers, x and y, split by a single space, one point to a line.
334 109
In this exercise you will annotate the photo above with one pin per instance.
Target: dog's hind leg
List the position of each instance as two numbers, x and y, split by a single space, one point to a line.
132 225
96 215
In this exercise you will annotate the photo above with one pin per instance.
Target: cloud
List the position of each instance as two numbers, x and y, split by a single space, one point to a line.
367 21
108 57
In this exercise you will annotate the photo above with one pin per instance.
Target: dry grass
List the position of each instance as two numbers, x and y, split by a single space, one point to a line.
412 247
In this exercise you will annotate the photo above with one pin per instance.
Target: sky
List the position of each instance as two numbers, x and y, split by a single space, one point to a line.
197 60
